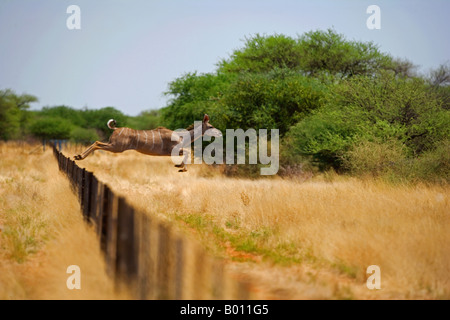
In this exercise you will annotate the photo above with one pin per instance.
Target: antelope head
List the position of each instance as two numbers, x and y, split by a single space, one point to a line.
208 129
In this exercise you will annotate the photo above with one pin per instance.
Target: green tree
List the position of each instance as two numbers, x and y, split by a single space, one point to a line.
262 54
378 109
13 114
329 52
83 135
276 99
313 53
146 120
51 128
193 95
64 112
98 119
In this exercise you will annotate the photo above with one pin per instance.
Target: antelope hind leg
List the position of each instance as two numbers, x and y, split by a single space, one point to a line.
96 145
182 165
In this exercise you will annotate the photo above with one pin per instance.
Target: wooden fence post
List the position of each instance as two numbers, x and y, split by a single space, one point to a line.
93 200
200 272
69 170
217 280
66 164
79 182
127 245
242 289
63 164
178 245
146 267
98 211
164 264
87 185
74 178
58 159
111 232
151 238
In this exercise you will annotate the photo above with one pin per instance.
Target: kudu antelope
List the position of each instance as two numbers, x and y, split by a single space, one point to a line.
157 142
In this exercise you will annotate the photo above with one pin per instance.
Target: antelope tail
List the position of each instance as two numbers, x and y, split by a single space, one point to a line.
112 124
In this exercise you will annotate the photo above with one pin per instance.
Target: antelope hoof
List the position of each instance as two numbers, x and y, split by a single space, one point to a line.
182 170
178 165
78 157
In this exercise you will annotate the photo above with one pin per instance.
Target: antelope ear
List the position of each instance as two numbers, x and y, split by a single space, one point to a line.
206 118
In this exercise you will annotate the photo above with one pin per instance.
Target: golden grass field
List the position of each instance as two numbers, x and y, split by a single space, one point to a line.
296 239
42 231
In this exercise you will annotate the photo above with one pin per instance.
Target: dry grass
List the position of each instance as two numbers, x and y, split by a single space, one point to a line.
311 239
42 231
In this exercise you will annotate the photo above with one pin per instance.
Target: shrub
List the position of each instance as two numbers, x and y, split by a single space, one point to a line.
83 135
377 109
51 128
277 99
433 165
374 157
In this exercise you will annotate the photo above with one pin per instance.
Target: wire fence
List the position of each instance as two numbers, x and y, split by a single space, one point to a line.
146 255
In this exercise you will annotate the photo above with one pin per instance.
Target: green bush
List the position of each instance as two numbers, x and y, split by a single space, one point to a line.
83 135
432 165
98 118
146 120
193 95
51 128
375 158
312 53
64 112
262 54
277 99
329 52
93 121
325 135
380 109
13 114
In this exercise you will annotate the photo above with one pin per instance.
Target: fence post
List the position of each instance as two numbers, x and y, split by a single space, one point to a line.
74 177
67 160
87 184
242 289
127 245
151 238
98 218
111 232
69 170
178 256
217 280
79 182
164 263
200 273
145 268
93 200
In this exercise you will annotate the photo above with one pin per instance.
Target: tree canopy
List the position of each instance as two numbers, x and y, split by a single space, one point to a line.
330 98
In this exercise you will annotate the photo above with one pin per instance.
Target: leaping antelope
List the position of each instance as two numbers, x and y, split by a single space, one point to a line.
157 142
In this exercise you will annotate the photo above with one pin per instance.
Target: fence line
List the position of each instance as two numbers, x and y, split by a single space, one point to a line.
145 254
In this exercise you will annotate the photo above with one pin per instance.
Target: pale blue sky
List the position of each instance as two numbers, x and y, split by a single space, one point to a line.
128 51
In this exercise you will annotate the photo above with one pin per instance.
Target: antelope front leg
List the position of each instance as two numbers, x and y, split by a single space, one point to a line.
182 165
96 145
